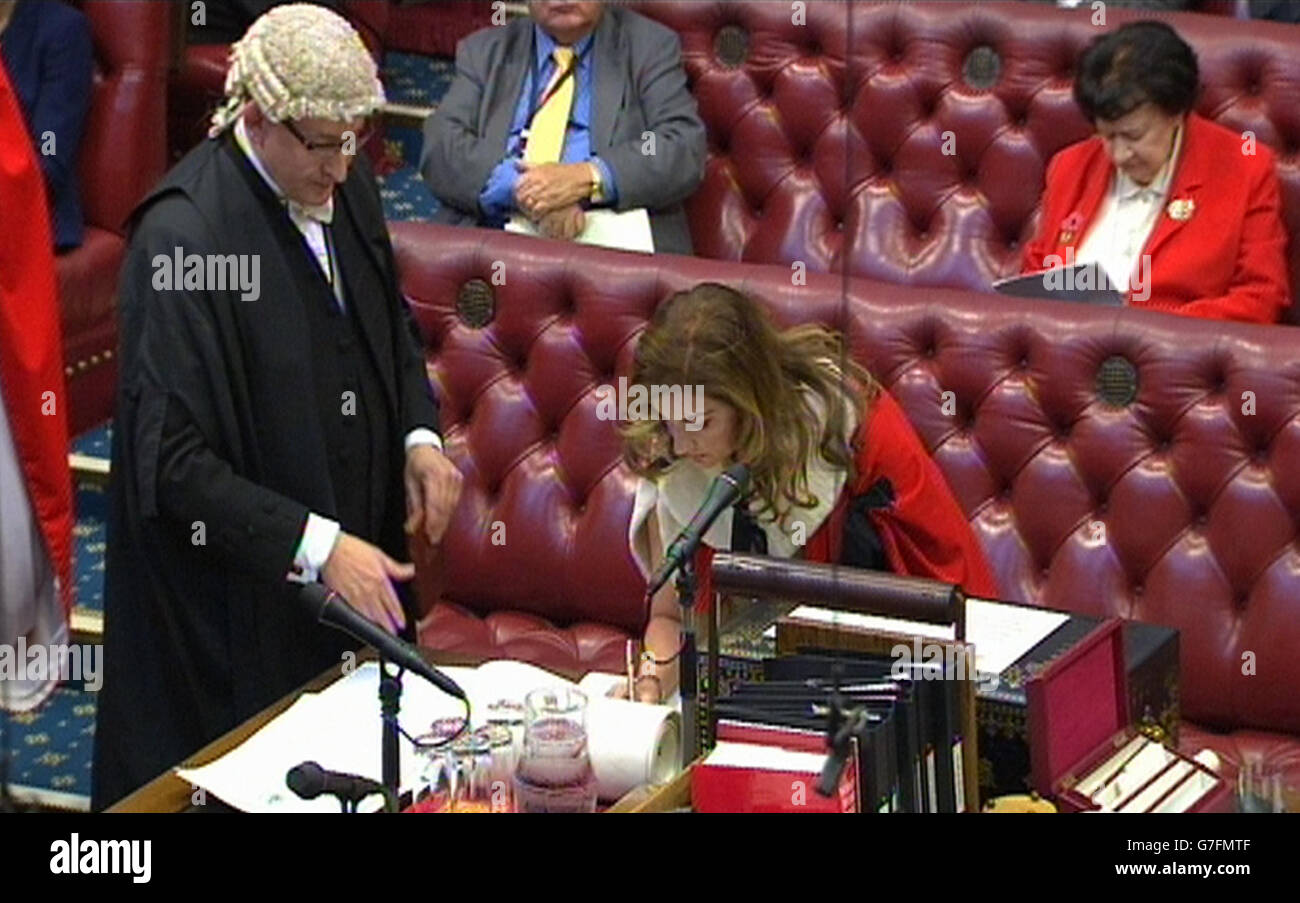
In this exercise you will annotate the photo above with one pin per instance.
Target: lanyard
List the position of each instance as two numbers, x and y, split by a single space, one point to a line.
536 103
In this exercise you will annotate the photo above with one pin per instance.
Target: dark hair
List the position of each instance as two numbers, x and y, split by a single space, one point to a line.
1137 63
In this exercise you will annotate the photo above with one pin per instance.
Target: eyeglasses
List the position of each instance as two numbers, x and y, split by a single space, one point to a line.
326 150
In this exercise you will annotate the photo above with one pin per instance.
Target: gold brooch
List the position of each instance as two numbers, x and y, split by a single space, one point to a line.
1181 209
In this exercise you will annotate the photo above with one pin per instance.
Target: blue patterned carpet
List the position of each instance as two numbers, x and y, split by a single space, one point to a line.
410 79
50 749
88 537
403 192
414 79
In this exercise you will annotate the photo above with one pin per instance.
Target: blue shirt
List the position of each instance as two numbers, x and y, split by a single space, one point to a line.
497 199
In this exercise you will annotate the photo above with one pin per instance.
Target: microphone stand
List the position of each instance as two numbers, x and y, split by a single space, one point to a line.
390 704
688 665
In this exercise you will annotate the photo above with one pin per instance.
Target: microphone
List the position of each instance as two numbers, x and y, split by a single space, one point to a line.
309 781
841 725
723 492
329 608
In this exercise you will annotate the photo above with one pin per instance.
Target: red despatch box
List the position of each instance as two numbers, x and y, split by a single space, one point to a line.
1086 756
728 788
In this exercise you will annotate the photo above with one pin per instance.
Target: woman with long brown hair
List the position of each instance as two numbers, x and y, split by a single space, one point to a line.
836 471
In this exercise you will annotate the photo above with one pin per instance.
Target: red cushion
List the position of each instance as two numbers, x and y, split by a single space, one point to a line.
123 150
1258 750
581 647
88 281
122 155
88 300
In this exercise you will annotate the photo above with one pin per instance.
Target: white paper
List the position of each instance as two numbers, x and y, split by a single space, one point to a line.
630 743
339 728
726 754
1001 633
627 230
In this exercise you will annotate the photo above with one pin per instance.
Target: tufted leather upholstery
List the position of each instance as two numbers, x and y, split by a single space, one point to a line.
1180 508
433 28
836 157
193 93
122 155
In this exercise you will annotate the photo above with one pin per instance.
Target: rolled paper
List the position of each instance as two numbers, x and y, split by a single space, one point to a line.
631 743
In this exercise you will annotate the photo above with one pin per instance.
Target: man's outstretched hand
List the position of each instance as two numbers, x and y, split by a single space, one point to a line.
363 575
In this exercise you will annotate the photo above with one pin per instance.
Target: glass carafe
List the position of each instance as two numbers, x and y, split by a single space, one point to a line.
554 773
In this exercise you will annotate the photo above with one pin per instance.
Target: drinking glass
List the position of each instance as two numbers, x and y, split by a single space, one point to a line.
435 778
500 768
468 766
554 773
1263 788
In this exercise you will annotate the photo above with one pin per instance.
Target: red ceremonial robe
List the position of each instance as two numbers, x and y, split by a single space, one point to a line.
31 350
1219 247
923 531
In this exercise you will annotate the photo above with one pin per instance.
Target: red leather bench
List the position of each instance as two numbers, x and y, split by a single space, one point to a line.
827 139
122 155
1179 506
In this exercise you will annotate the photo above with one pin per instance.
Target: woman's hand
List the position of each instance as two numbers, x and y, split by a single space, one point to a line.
648 689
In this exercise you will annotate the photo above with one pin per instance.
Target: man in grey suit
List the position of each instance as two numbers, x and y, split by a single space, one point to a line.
632 136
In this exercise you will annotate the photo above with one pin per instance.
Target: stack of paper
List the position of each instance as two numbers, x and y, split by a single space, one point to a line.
630 743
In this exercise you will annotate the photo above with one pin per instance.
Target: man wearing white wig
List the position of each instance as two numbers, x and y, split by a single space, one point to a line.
275 422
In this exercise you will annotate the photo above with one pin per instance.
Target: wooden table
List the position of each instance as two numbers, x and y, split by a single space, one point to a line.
168 793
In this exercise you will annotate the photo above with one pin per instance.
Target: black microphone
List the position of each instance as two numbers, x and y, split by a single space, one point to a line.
841 725
330 608
723 492
309 781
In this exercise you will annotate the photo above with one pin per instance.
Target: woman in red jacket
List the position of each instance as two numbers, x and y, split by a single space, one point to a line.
837 473
1181 213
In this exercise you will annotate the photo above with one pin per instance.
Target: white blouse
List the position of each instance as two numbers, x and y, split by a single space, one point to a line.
680 490
1125 221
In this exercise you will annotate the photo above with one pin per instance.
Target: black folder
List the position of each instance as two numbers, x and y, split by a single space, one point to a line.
939 736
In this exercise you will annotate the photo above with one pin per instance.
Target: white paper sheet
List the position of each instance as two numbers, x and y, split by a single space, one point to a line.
627 230
1001 633
630 743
